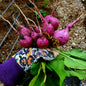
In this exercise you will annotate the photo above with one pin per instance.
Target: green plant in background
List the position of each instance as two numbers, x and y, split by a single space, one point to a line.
44 13
53 73
16 11
11 8
45 3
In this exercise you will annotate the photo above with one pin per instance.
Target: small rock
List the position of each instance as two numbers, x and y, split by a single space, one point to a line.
73 44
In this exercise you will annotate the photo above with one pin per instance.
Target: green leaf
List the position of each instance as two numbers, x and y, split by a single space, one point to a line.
45 3
16 11
43 67
34 68
33 81
52 79
45 76
74 63
58 66
41 10
36 81
11 8
43 82
44 13
59 50
36 12
48 67
77 53
78 73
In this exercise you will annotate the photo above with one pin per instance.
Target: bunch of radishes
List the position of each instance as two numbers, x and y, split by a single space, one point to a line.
33 37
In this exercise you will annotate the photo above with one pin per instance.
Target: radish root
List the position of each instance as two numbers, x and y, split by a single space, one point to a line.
10 25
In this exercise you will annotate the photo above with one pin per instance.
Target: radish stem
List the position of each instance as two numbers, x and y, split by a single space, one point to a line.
37 22
71 24
22 13
36 16
38 11
32 10
38 25
17 22
24 16
10 25
32 21
39 14
53 13
36 19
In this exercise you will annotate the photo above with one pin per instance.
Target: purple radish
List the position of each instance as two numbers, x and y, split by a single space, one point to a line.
34 35
26 41
37 29
47 28
53 13
53 21
50 29
63 35
42 42
25 31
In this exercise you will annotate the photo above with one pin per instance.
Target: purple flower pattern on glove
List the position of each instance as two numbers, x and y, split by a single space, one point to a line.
26 56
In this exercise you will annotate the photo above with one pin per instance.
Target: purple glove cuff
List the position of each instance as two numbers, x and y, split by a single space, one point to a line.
10 72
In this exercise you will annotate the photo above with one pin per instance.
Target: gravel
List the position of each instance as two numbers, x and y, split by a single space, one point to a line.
67 11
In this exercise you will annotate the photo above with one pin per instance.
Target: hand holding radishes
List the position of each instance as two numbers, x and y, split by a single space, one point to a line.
14 69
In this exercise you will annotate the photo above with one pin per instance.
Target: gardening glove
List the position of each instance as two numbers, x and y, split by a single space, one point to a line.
13 70
10 72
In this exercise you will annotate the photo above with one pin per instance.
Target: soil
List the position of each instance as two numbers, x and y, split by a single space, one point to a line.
67 11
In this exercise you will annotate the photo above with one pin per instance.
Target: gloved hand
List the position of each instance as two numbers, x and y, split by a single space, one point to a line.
13 70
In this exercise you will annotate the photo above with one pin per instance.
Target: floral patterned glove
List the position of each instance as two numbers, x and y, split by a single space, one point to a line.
26 56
